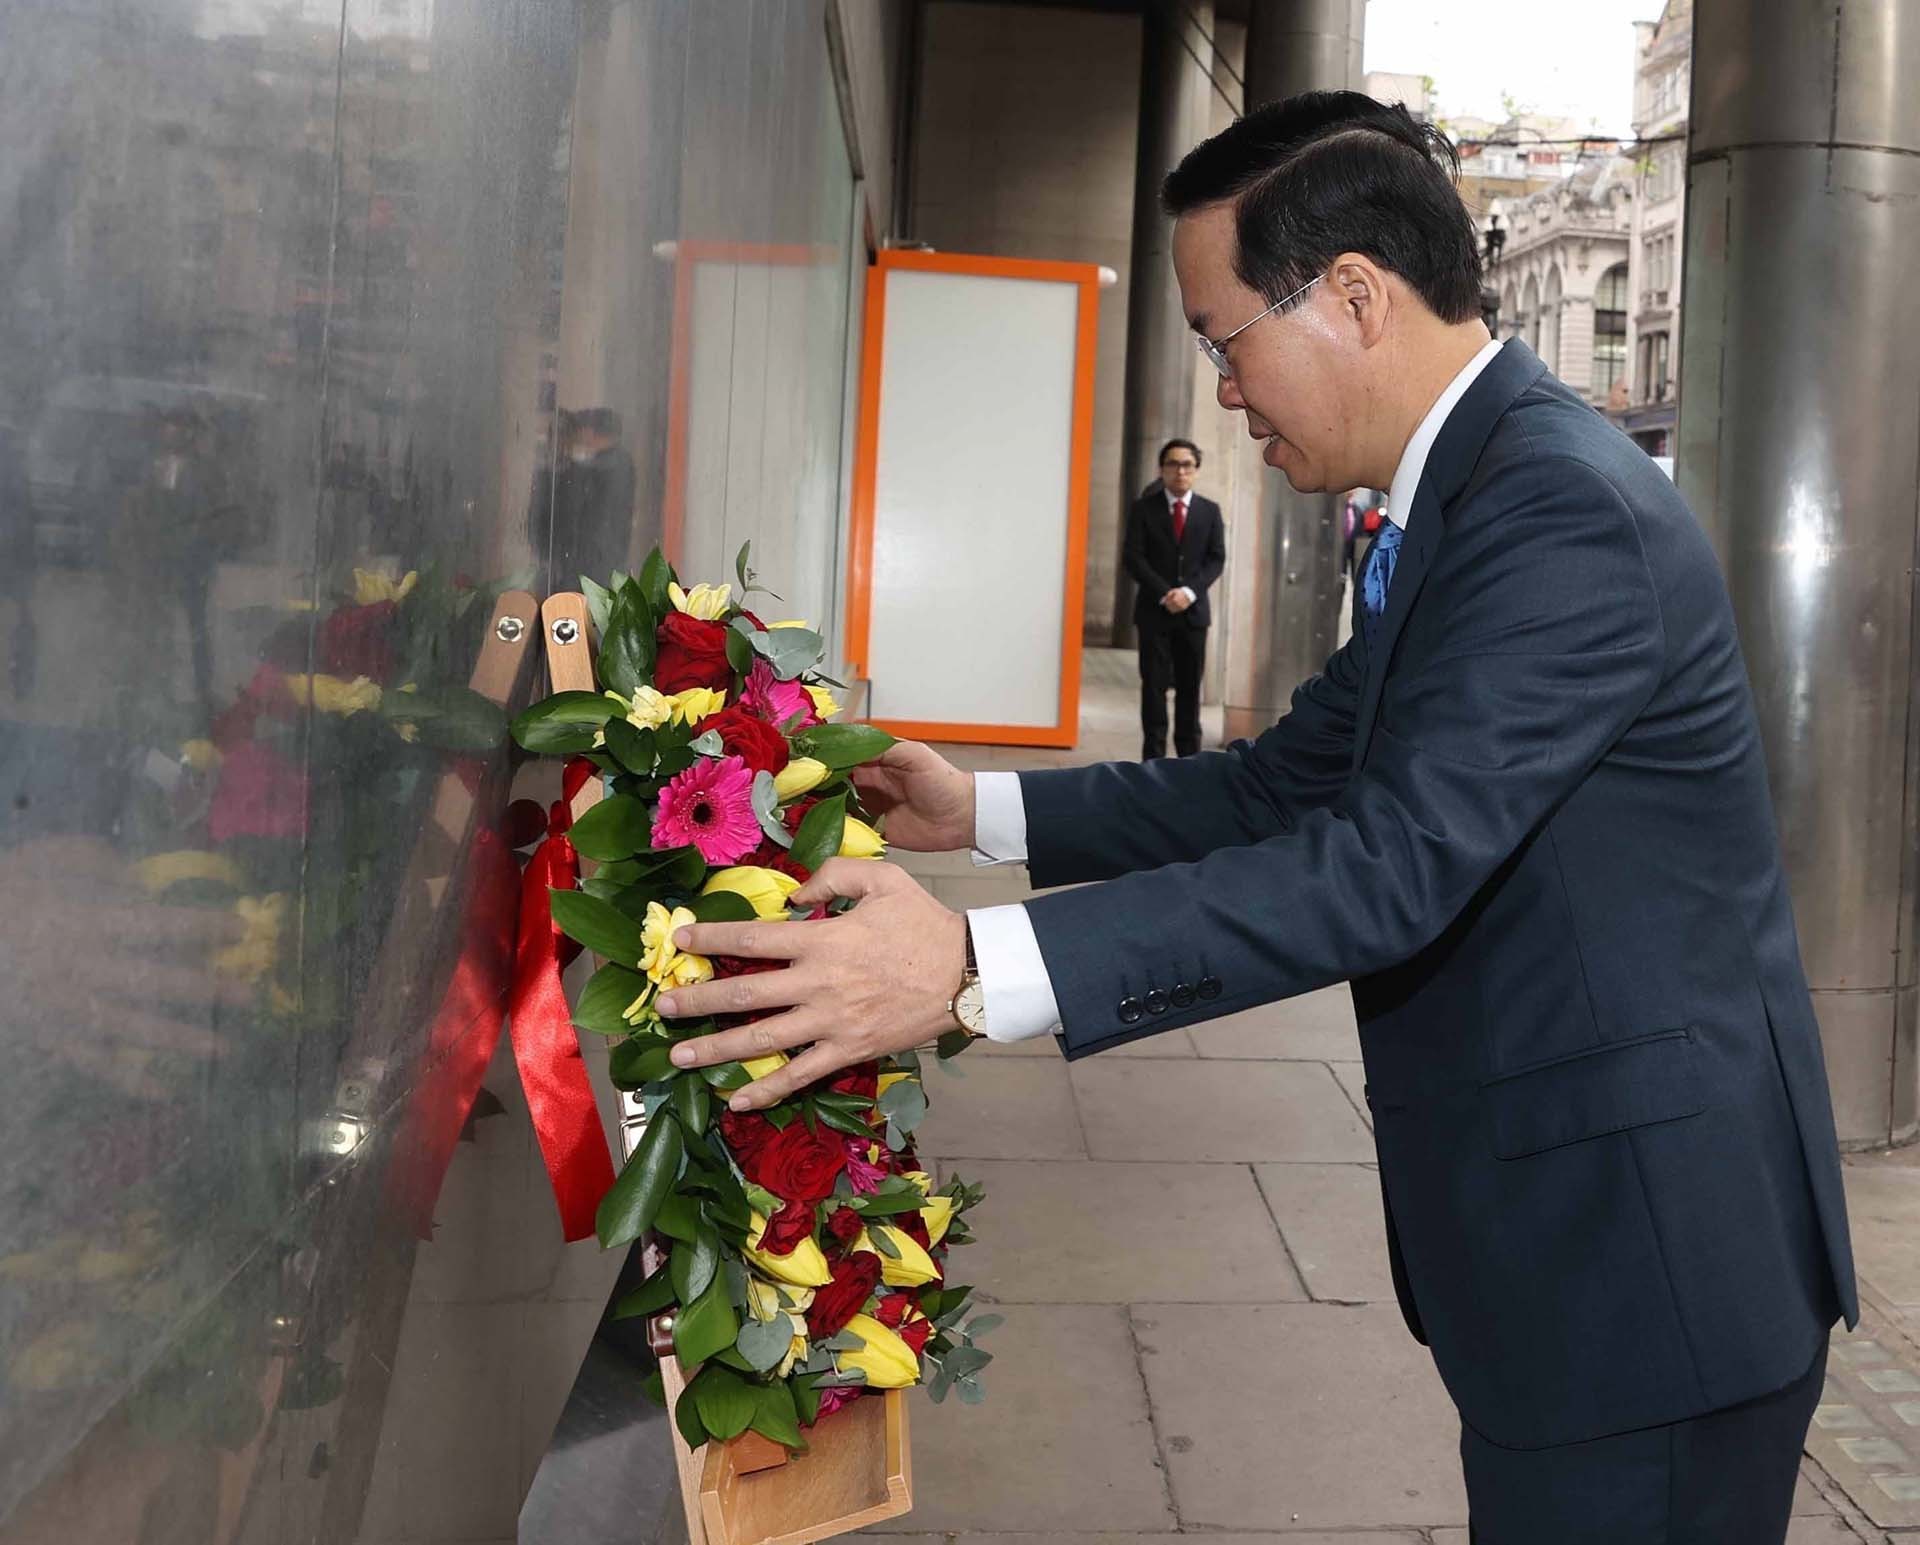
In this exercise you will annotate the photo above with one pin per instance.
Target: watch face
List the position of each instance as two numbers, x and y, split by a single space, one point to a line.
970 1008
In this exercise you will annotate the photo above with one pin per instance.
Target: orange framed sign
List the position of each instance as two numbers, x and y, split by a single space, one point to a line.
968 521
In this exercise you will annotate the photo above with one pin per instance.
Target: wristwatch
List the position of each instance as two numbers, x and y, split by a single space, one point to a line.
968 1005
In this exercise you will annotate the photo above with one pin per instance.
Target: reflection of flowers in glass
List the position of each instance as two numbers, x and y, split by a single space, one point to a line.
260 793
262 920
707 602
370 586
330 694
776 701
709 807
358 640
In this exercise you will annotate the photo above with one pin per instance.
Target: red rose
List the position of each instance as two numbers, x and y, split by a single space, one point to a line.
891 1311
845 1225
693 653
749 737
844 1297
917 1335
745 1134
787 1227
358 641
798 1165
862 1079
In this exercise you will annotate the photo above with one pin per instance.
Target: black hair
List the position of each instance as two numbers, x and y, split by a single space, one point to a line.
1185 445
1328 172
598 421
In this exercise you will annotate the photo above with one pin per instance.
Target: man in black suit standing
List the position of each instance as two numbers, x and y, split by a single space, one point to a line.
1176 547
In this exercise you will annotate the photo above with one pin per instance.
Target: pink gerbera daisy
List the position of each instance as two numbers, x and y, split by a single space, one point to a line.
775 700
709 806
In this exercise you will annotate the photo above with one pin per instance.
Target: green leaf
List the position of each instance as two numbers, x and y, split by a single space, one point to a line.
766 810
605 998
972 1391
449 718
840 1121
638 1061
692 1102
695 1263
599 603
600 926
778 1417
764 1201
684 868
883 1243
886 1206
678 1217
631 746
904 1105
764 1345
727 1403
650 1297
564 723
727 1075
706 1325
806 1400
740 647
722 907
626 1211
686 1416
627 645
613 829
820 833
655 575
962 1362
952 1043
654 1387
980 1324
841 746
740 570
708 743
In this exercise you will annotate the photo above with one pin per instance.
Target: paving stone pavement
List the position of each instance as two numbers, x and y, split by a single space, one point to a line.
1201 1337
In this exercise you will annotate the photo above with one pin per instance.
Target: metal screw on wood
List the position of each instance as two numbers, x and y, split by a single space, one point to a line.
509 629
665 1322
565 630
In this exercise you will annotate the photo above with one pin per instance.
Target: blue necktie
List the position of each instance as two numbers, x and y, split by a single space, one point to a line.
1377 576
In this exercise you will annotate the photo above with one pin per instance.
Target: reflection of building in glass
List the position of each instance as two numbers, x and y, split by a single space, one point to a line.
1663 68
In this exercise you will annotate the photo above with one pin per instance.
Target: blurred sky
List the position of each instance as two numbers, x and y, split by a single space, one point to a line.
1567 57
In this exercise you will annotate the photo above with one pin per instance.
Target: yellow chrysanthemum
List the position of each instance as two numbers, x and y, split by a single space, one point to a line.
707 602
665 963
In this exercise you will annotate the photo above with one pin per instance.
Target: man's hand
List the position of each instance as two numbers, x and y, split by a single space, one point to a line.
861 985
928 802
1175 601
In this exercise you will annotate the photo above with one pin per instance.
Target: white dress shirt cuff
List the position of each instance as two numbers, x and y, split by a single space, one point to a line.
1187 591
999 819
1013 976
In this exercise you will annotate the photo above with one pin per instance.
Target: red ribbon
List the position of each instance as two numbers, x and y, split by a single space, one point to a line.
546 1046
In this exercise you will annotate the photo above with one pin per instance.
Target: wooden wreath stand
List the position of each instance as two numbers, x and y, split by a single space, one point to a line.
750 1491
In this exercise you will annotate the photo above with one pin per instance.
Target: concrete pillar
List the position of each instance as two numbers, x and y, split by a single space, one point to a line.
1286 622
1174 89
1798 443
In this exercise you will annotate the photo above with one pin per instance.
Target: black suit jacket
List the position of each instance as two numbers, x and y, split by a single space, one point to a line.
1158 564
1532 826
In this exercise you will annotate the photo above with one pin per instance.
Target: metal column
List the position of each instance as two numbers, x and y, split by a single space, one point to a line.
1159 382
1798 446
1285 628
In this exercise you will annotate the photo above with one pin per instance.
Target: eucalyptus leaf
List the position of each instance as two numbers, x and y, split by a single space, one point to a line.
707 743
563 723
904 1105
980 1324
788 651
600 926
766 809
626 1211
613 829
604 999
963 1361
765 1344
972 1391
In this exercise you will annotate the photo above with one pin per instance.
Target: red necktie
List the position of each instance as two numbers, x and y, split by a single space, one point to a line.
1179 520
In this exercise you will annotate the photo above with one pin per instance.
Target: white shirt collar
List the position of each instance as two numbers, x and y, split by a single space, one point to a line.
1413 460
1174 498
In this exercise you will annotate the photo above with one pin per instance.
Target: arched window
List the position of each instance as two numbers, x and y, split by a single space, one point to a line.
1610 329
1530 311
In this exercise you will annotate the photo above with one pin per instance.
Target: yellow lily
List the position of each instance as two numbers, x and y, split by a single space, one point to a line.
371 586
707 602
800 776
886 1082
790 622
938 1216
804 1267
165 870
760 1067
913 1267
766 1299
823 702
646 709
886 1360
766 890
694 704
860 840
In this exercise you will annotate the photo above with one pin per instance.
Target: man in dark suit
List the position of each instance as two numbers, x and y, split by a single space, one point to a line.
1175 548
1524 810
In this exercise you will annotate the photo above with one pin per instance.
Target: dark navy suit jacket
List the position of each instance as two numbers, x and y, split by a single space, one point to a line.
1158 564
1532 827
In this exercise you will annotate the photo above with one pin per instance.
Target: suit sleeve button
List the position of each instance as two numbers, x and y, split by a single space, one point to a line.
1183 996
1209 986
1129 1010
1156 1002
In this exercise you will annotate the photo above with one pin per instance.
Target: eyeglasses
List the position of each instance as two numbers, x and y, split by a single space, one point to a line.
1181 466
1216 348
